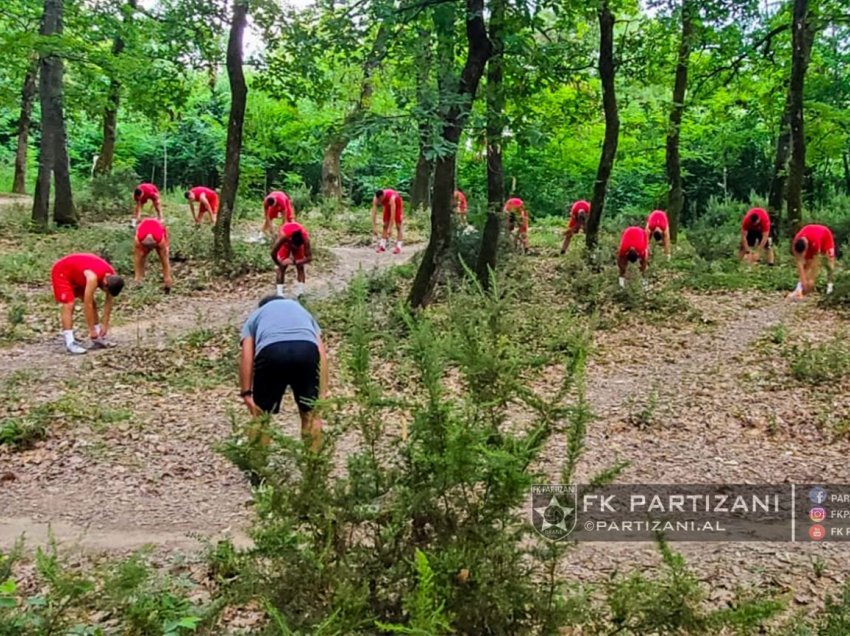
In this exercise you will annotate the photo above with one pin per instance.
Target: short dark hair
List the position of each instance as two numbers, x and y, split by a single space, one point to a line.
137 193
270 201
755 219
268 299
297 238
632 255
187 194
114 284
657 234
379 194
800 245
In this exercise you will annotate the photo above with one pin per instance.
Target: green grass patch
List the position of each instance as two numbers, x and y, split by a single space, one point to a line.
819 363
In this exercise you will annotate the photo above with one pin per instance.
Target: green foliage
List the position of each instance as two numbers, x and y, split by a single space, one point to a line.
109 196
672 604
341 550
644 415
64 600
22 432
821 363
424 609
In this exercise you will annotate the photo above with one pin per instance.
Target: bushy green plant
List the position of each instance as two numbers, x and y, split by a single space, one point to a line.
672 604
108 195
341 550
125 596
819 363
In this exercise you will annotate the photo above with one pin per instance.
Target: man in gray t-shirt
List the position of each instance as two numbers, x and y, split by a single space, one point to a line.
281 347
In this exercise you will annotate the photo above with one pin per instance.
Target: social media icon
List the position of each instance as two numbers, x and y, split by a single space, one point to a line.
817 532
817 495
817 514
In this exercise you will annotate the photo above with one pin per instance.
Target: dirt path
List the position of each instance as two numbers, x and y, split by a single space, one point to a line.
157 478
156 326
718 419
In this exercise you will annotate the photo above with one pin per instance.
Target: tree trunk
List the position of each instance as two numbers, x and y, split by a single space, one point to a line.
238 98
28 93
675 196
420 190
53 150
458 107
489 250
612 124
103 165
776 193
846 160
332 169
801 49
331 165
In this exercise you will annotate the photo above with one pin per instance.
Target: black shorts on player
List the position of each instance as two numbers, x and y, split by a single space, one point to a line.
292 363
754 238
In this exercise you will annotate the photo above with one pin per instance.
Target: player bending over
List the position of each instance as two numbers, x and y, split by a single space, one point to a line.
658 227
152 235
292 248
80 276
811 243
634 248
578 221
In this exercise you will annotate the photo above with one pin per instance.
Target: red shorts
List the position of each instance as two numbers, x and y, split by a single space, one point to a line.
283 253
64 291
399 215
153 228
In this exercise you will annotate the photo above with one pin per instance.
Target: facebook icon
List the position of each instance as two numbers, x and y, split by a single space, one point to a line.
817 495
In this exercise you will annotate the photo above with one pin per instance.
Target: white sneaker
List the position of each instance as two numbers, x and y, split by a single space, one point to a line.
829 288
75 349
102 343
298 290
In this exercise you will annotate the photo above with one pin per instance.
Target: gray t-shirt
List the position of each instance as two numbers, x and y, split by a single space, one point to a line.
280 321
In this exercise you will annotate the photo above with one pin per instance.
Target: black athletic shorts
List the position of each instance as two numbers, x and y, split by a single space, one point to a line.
292 363
754 238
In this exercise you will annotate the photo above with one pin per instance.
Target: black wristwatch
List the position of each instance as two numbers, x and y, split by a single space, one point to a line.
246 393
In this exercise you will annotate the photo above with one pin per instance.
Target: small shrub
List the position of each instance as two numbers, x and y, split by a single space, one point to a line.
109 196
673 604
644 416
819 363
344 550
22 432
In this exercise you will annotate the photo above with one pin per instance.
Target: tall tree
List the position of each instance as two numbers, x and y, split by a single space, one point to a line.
612 123
495 128
53 152
458 104
113 99
420 190
802 40
28 93
675 194
342 135
238 99
776 191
